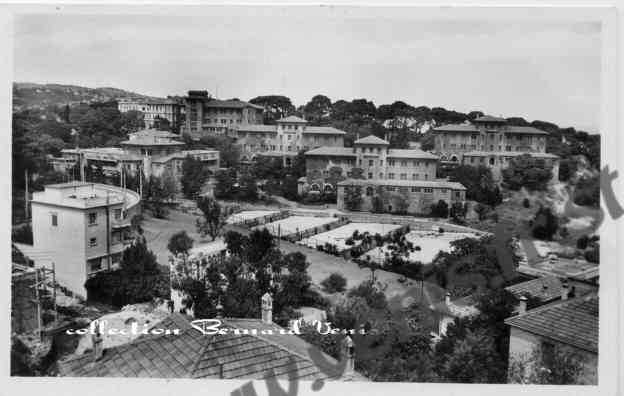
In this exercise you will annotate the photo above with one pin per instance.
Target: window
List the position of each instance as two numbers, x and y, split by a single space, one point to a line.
92 218
117 214
371 162
92 242
443 191
457 194
415 189
116 237
95 264
370 175
403 163
428 190
391 176
380 162
369 191
403 176
54 220
381 175
414 176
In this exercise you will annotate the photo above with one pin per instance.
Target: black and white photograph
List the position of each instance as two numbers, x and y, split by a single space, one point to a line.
300 199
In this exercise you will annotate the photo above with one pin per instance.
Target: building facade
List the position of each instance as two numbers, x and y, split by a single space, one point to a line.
152 109
492 142
83 228
150 151
205 115
285 140
401 180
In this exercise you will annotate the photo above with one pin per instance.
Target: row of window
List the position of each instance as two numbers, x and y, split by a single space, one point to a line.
91 217
427 190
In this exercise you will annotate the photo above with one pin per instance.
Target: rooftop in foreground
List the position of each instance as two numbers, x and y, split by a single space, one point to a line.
83 195
191 354
573 322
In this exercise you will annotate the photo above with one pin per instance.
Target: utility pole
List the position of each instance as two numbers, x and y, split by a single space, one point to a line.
26 193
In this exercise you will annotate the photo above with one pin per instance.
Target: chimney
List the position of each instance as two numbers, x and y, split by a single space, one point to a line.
98 343
348 354
564 290
267 308
523 306
219 309
447 298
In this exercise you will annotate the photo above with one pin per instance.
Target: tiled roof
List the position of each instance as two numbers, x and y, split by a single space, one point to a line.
573 322
256 128
404 183
192 354
151 141
153 132
334 151
403 153
457 128
324 130
292 119
230 104
524 129
545 289
371 139
487 118
471 128
508 154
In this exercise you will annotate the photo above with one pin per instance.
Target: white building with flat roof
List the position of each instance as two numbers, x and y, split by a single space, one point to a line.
83 227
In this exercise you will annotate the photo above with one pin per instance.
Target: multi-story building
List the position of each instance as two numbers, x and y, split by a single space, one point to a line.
205 115
492 142
376 170
286 139
151 151
83 228
152 109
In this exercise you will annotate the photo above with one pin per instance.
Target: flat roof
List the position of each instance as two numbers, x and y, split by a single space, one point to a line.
82 195
404 183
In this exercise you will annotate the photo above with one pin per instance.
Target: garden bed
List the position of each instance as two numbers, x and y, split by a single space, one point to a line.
338 237
294 225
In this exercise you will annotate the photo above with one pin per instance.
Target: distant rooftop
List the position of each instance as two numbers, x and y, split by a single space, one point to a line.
152 133
488 118
442 183
509 154
371 139
411 153
292 119
572 322
84 195
544 289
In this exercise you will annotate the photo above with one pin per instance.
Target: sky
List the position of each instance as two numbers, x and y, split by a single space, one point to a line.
546 70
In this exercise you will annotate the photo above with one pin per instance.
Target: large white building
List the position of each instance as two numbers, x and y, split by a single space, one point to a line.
83 228
152 109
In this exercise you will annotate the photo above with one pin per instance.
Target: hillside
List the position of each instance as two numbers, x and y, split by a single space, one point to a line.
33 95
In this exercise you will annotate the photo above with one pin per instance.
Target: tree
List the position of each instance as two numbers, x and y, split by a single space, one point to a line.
545 224
194 175
235 243
440 209
317 109
477 348
481 211
334 283
479 183
139 279
275 107
248 187
215 217
374 298
224 188
561 367
180 242
526 171
587 191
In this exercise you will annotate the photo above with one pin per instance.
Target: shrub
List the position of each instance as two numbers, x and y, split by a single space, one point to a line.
545 224
582 242
593 253
334 283
22 234
526 203
375 299
440 209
